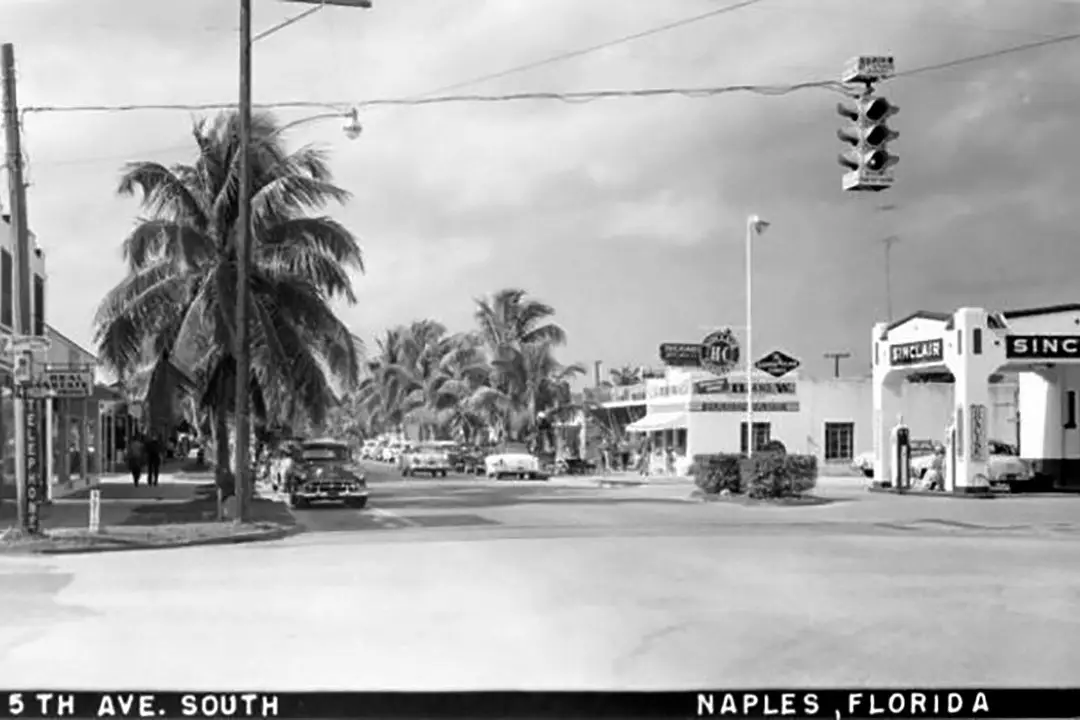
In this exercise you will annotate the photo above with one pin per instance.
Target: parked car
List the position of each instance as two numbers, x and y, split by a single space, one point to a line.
1003 465
425 458
369 449
864 462
513 461
324 472
469 460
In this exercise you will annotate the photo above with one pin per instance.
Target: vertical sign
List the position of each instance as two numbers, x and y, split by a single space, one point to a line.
978 432
959 431
34 489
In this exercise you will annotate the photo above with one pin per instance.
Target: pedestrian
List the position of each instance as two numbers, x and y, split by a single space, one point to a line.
135 452
644 456
154 451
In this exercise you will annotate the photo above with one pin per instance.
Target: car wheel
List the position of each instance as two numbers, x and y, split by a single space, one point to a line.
444 473
299 503
868 472
357 504
404 472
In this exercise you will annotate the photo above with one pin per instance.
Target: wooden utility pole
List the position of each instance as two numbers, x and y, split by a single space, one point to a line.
20 232
836 357
888 243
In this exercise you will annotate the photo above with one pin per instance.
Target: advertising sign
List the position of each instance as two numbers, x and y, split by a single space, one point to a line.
726 387
740 406
959 436
917 353
1042 347
777 363
719 352
69 383
978 432
681 354
35 490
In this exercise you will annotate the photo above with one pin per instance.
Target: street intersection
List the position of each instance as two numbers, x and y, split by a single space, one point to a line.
465 583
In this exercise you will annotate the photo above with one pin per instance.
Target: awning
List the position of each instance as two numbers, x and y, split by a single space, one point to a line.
658 421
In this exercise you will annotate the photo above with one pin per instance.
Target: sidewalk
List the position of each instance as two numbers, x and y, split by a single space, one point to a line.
623 478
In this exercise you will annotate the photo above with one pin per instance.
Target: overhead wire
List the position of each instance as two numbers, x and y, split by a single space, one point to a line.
560 57
1022 47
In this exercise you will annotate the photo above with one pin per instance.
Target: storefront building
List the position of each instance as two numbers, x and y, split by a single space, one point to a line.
700 406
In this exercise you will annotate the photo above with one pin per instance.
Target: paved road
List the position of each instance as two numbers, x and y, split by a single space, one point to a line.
446 585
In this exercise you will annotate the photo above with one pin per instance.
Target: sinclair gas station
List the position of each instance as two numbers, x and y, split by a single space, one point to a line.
1040 345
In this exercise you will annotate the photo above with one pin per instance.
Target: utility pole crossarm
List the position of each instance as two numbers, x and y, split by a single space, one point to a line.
836 357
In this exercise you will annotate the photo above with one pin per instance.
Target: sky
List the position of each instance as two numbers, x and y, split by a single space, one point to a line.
626 215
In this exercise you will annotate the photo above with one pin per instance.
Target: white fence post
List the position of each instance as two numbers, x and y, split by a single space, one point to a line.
95 511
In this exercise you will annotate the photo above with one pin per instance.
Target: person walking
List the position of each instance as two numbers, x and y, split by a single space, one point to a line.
135 456
154 452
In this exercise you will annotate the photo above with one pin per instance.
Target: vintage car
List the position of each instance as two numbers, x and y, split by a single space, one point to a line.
369 449
513 461
425 459
392 451
324 473
920 450
1004 468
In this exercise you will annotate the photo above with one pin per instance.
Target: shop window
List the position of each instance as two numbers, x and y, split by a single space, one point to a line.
762 435
839 441
7 289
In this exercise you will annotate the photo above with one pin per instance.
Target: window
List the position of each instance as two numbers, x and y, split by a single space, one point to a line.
839 441
1070 410
7 289
976 341
762 435
39 305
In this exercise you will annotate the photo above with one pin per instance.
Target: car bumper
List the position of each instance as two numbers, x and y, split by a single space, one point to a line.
329 496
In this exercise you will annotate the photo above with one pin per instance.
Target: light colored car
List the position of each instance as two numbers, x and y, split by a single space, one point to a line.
369 449
920 450
392 451
1003 465
425 458
513 462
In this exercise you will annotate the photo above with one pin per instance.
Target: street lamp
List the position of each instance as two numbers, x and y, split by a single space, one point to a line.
243 242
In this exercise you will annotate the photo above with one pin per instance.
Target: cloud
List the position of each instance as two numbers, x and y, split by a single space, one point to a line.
624 214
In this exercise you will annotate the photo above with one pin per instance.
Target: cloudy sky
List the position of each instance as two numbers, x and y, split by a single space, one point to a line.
627 215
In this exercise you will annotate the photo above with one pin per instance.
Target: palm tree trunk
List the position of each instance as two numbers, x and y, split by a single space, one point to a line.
222 474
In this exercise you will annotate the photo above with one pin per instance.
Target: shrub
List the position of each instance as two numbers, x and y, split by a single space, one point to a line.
774 446
775 475
714 474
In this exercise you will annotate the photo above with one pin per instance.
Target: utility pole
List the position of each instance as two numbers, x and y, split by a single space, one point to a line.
243 252
888 242
598 366
836 357
20 229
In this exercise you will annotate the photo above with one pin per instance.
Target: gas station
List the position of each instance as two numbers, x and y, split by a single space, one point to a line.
1040 345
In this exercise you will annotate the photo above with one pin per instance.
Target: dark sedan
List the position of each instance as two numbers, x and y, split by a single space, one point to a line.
324 473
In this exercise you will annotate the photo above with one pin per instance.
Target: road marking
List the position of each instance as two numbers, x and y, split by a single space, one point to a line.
392 516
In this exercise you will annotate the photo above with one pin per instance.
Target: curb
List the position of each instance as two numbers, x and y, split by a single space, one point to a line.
804 501
278 533
981 495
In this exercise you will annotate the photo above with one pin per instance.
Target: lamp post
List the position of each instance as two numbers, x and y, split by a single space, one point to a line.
243 240
754 226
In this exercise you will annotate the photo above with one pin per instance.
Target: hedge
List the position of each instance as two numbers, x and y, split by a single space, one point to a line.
764 475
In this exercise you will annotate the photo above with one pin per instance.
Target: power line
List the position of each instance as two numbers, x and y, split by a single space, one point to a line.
1033 45
591 49
569 97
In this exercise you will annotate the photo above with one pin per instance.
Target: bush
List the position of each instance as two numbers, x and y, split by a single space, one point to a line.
714 474
775 475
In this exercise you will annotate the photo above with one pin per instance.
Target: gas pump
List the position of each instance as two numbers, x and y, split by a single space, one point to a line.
901 455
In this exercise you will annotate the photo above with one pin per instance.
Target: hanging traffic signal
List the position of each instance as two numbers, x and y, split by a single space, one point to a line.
869 161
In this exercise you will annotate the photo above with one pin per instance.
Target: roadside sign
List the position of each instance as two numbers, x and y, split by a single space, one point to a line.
777 364
868 68
719 351
681 354
68 383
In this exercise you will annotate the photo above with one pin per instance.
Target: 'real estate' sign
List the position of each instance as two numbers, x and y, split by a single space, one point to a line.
1042 347
917 353
740 406
726 387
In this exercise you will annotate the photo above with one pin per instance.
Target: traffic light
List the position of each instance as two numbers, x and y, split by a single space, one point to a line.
869 161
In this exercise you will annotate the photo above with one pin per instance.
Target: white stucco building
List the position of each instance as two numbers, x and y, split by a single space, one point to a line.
697 412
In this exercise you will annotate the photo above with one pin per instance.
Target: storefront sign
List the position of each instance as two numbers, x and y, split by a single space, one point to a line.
726 387
978 432
718 352
958 432
777 363
917 353
34 489
1043 347
66 383
681 354
737 406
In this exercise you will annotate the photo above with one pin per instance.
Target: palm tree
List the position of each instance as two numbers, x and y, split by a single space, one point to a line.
509 317
181 286
625 375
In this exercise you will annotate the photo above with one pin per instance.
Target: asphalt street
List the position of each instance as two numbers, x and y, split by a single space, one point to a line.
465 583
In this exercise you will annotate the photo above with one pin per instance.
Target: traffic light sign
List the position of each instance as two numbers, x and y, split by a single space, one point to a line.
869 162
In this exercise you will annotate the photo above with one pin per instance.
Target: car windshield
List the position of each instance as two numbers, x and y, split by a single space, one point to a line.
324 452
1000 448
